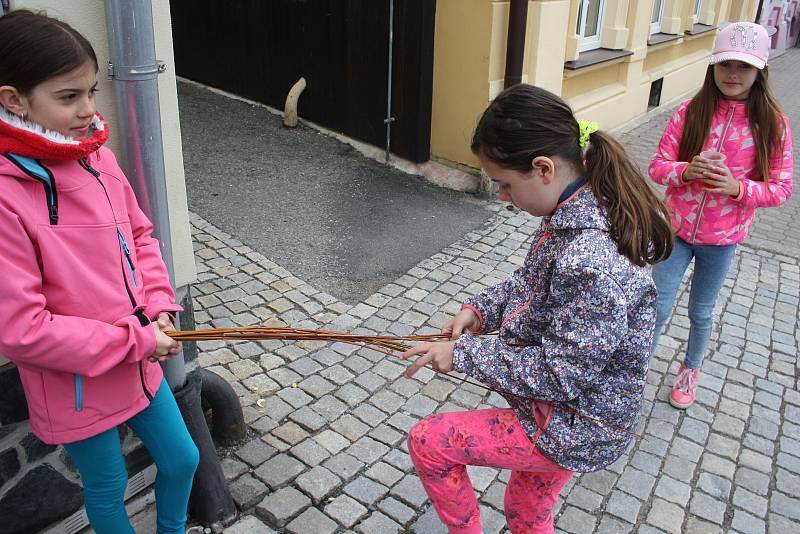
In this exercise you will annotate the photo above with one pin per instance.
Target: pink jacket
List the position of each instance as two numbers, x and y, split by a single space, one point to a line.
69 286
710 218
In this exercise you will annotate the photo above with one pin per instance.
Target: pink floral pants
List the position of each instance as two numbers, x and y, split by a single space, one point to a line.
442 445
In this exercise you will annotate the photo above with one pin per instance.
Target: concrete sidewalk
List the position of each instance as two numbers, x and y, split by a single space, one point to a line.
329 456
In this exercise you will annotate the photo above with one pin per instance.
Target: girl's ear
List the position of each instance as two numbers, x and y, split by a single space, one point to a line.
12 100
544 167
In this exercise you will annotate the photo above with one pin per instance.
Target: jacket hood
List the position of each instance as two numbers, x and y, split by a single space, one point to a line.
579 212
25 138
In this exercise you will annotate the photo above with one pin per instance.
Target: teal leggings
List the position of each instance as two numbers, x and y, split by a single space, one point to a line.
102 467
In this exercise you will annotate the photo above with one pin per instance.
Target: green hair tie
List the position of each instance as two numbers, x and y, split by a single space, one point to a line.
586 128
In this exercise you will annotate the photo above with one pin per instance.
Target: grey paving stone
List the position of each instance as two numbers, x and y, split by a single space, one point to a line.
232 468
366 491
367 449
576 520
399 459
673 490
247 491
310 452
345 510
396 510
318 483
255 452
351 394
666 515
717 465
785 505
748 524
378 523
410 490
756 482
384 473
429 523
420 405
281 506
249 525
679 468
637 483
714 485
751 502
387 401
290 432
369 414
279 470
707 508
780 524
612 525
344 465
329 407
386 434
623 506
584 498
308 419
349 427
332 441
312 521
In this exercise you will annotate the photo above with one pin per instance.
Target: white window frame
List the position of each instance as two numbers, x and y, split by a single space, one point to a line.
698 6
655 27
592 42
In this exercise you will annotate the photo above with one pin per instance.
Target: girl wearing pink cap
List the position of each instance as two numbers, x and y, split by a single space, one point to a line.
724 153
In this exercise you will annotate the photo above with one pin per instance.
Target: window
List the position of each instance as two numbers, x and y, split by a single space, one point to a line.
590 23
655 17
698 5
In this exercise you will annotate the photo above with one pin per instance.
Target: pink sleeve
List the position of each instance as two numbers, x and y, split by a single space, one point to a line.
33 336
665 169
778 189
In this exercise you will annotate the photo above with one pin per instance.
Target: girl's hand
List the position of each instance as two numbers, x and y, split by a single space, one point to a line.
438 354
164 321
166 347
696 168
718 179
463 320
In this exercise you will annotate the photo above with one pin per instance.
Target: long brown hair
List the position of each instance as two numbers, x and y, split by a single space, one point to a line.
35 47
525 122
764 116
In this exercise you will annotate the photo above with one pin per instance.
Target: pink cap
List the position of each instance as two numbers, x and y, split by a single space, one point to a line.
742 41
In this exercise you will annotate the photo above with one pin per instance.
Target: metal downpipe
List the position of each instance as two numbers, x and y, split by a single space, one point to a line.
515 44
134 69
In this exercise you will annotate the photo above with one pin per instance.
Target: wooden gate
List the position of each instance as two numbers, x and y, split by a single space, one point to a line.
259 48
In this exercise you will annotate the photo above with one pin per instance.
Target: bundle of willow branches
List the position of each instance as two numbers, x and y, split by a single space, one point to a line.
377 343
381 344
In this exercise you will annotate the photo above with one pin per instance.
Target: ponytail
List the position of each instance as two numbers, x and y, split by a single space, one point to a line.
638 219
525 121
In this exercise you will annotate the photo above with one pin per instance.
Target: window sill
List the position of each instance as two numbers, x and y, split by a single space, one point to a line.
594 57
661 38
699 29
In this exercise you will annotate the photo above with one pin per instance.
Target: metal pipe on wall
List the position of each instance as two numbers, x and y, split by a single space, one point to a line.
389 119
134 69
515 44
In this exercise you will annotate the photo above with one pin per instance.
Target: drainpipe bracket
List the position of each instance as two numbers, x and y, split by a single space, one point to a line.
135 72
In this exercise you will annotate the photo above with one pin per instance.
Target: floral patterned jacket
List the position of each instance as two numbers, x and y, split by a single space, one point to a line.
575 328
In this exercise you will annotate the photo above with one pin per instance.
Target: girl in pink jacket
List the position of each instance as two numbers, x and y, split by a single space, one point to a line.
84 293
724 153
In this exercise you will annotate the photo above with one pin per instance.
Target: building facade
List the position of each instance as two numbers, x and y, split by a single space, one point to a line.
612 60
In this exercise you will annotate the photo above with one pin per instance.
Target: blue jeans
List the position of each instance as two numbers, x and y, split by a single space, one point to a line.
102 467
711 264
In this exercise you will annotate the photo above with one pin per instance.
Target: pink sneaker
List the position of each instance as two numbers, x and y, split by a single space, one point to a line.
685 388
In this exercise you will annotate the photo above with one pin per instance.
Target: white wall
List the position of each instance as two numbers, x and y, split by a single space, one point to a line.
88 17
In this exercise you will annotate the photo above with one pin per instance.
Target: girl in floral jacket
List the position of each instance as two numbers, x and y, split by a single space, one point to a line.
724 153
575 321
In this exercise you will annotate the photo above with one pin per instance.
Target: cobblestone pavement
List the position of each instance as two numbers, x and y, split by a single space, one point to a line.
329 455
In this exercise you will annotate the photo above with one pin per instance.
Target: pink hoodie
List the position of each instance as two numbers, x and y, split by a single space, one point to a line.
69 289
710 218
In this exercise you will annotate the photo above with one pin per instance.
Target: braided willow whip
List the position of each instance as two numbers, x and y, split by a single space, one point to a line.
377 343
381 344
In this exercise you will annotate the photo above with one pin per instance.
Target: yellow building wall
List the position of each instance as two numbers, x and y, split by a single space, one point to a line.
470 49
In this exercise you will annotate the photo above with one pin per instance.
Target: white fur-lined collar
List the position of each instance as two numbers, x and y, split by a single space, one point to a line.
32 127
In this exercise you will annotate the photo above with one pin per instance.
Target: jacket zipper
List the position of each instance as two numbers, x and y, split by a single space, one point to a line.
78 393
731 110
40 173
126 253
